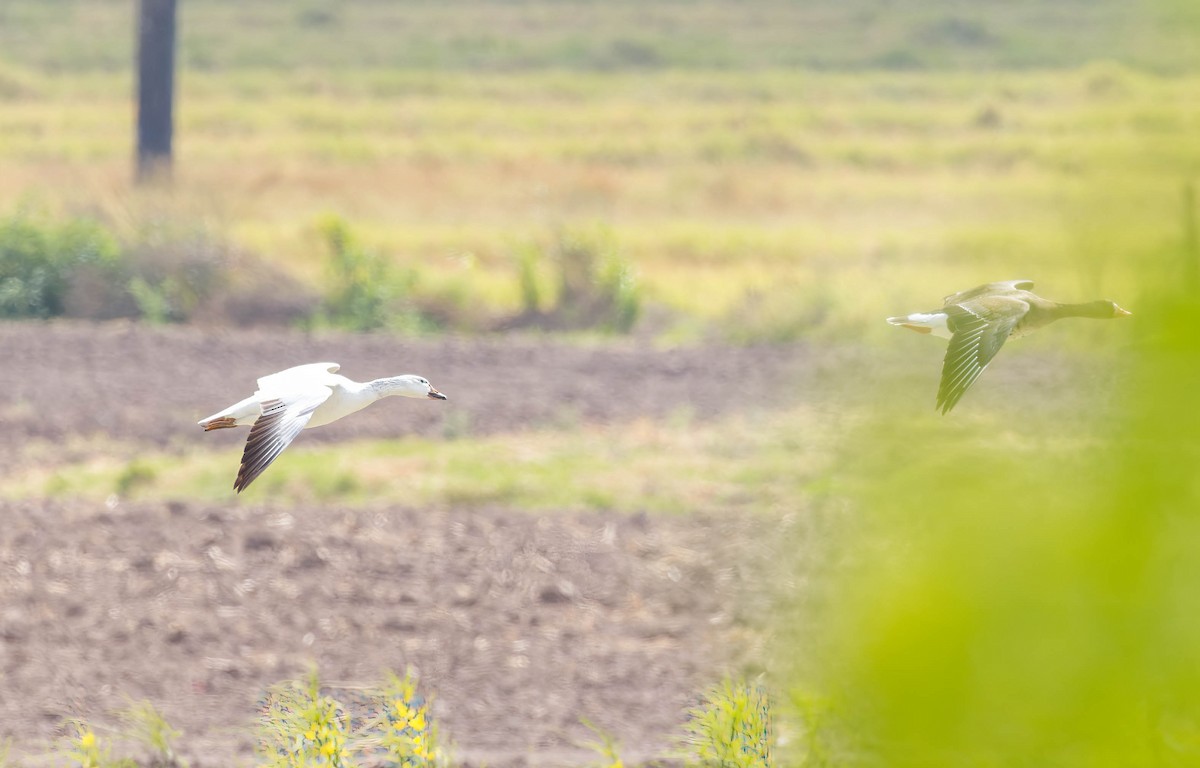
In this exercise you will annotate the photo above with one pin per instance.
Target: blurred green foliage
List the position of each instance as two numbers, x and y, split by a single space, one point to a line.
796 202
597 287
1018 589
366 291
41 261
80 267
579 280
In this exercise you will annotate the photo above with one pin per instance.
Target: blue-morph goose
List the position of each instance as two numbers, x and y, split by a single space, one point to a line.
980 320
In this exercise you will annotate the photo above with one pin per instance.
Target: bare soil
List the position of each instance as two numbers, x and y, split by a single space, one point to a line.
129 382
520 625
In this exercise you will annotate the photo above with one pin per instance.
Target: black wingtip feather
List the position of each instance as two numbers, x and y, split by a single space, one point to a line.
271 433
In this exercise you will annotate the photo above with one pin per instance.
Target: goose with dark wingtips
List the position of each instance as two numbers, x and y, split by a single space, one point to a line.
980 320
301 398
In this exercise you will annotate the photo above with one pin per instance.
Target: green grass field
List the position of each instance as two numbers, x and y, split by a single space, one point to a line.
760 176
226 35
752 462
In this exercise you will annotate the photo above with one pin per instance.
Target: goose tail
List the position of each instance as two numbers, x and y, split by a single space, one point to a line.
240 414
924 322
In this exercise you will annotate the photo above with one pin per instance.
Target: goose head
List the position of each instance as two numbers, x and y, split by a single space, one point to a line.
408 385
1106 310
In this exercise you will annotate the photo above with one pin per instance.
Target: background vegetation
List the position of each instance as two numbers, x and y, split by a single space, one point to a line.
802 163
1016 595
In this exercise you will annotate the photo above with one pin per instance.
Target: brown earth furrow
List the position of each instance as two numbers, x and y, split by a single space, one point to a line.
521 625
136 383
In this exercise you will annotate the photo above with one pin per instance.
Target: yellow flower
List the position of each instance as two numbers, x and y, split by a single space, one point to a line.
328 749
418 722
87 740
310 734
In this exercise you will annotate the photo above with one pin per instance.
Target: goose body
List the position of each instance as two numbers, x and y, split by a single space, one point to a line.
299 398
978 322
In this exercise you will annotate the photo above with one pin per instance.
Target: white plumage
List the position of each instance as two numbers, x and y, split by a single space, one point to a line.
298 398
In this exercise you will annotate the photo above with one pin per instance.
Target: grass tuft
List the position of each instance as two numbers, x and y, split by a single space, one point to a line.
86 750
146 725
304 725
730 729
606 746
407 731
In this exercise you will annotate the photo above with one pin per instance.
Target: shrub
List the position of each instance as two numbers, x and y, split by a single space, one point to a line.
187 273
42 264
30 276
175 269
161 272
366 293
596 287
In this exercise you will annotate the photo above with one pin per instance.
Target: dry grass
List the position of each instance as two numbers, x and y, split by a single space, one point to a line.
744 182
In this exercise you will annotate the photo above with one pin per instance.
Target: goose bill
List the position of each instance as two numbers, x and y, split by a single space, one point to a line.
435 395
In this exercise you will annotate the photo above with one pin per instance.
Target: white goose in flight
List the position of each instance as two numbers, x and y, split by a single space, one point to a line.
299 398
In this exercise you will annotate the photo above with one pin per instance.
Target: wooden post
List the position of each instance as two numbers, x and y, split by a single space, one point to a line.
156 88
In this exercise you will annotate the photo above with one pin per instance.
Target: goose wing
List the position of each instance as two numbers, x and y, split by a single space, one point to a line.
283 417
979 329
297 376
988 288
